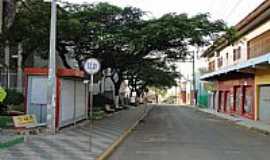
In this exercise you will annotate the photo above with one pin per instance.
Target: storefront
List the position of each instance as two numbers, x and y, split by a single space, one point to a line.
71 98
236 96
262 83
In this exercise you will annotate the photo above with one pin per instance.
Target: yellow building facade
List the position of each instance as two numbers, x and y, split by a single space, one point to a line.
262 78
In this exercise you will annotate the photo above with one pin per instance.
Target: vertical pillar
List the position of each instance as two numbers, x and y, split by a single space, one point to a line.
7 59
19 68
75 99
1 16
193 94
256 101
242 99
52 72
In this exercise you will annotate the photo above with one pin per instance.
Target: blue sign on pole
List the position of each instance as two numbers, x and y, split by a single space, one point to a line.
91 66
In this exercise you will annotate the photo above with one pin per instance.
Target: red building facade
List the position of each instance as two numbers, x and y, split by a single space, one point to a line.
236 96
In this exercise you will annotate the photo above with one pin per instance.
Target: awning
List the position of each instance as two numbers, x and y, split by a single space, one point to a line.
249 63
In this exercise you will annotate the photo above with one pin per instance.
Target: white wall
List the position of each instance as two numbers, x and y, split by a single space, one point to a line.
243 42
258 31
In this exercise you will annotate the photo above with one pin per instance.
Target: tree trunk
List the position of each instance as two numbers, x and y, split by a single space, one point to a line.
1 16
7 59
19 68
61 52
9 8
117 85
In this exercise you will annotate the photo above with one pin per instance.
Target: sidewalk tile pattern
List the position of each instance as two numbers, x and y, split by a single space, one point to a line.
73 143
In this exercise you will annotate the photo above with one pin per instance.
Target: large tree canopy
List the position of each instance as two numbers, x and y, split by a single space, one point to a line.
138 49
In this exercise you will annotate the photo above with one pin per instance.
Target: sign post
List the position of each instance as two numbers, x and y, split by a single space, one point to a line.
91 66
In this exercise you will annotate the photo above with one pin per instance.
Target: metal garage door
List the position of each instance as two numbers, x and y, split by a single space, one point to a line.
67 102
211 100
80 101
216 100
37 97
238 99
264 103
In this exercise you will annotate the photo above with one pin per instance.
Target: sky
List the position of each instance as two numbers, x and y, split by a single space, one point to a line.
231 11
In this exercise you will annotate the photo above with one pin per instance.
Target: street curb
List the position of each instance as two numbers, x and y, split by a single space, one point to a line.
252 128
121 138
11 142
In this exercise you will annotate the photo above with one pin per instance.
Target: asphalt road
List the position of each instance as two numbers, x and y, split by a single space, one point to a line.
181 133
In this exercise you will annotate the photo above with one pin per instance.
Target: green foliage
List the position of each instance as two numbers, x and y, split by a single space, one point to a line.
6 121
3 94
136 49
31 26
210 86
13 97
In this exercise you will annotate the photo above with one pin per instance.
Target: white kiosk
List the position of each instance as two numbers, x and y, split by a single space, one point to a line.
71 98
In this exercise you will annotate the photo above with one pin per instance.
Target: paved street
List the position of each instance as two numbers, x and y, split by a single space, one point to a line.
181 133
72 143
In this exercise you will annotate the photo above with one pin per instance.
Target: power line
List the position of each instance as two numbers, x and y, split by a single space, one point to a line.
233 8
225 8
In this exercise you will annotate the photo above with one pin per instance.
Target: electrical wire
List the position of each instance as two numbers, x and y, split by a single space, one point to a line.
233 8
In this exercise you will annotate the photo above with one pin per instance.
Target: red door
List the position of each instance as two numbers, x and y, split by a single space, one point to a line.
226 101
221 101
237 100
248 100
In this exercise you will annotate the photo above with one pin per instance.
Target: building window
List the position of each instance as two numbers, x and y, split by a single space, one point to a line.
217 54
238 96
220 62
259 45
211 66
237 53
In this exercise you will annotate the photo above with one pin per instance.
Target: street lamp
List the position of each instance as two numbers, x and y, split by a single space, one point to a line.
52 72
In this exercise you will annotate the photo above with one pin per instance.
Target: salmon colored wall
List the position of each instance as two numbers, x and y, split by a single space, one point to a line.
262 77
229 85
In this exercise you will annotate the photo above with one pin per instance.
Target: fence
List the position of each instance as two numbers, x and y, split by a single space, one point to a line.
203 100
9 80
202 97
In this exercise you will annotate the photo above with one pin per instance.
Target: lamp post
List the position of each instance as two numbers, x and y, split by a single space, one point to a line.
52 72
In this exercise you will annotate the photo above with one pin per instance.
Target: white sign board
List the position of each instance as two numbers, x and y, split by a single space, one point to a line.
91 66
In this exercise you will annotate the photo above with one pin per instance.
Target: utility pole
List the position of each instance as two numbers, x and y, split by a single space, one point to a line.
194 79
52 72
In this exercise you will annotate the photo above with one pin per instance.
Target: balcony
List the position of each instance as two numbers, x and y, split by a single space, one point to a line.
259 46
244 67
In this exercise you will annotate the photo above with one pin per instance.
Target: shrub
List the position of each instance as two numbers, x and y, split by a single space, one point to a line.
6 121
98 102
13 97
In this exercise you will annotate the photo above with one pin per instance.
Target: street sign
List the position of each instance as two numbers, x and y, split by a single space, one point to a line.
91 66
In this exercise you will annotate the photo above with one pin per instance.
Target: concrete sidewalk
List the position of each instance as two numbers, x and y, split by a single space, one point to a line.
7 141
73 143
254 125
